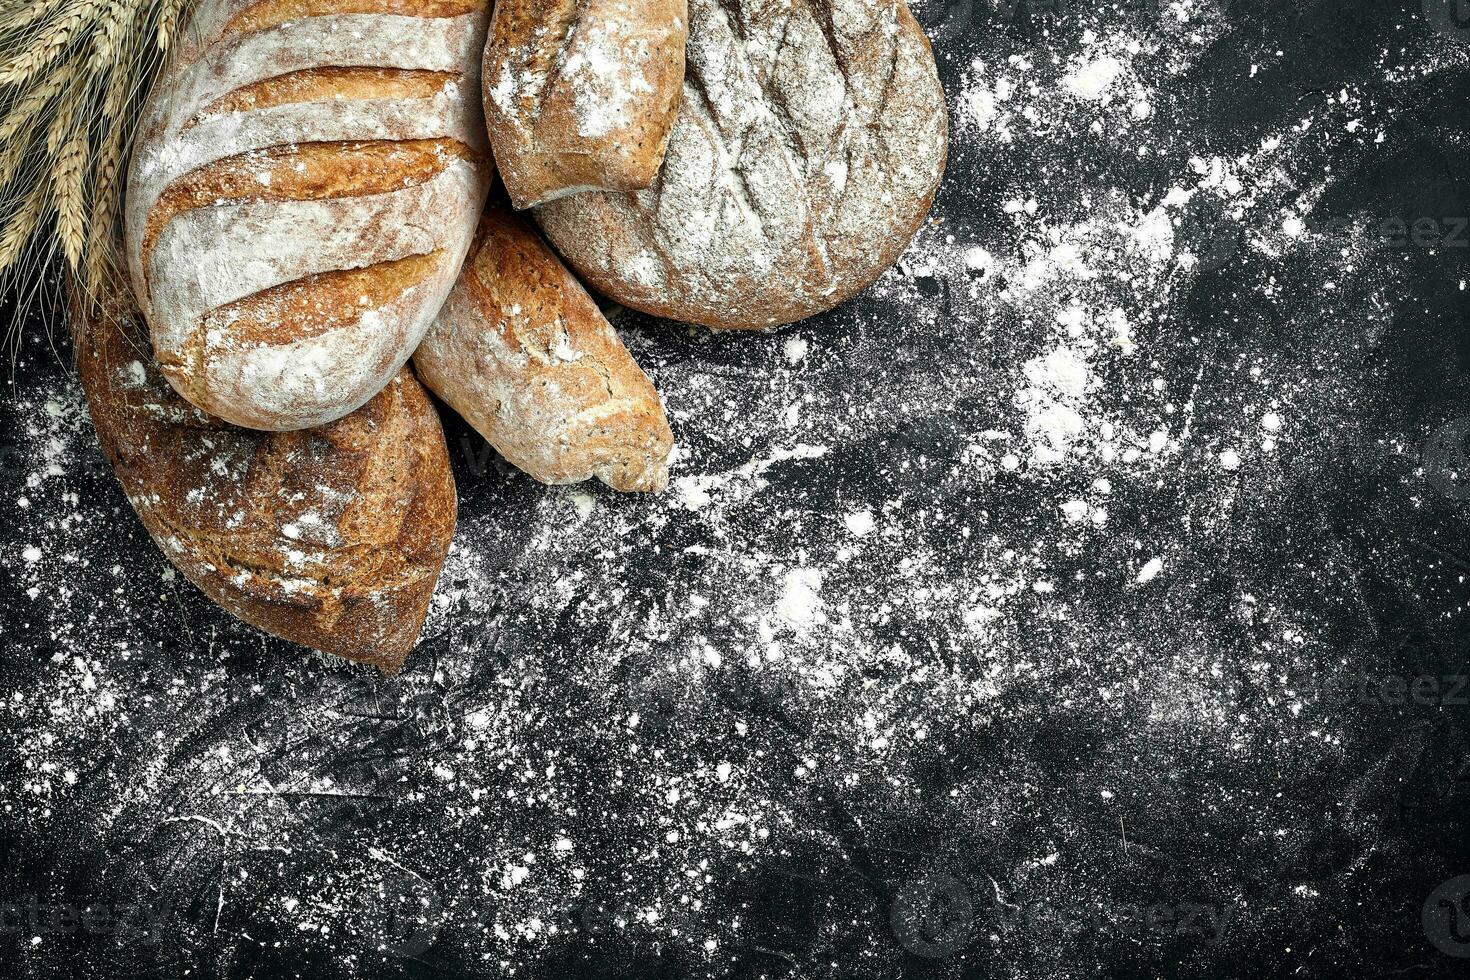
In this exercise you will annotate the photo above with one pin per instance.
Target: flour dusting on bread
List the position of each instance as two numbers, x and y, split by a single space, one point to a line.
289 170
807 150
523 353
582 95
331 538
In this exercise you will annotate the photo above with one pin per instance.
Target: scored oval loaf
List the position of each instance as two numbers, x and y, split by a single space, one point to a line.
332 538
806 152
526 357
582 94
305 182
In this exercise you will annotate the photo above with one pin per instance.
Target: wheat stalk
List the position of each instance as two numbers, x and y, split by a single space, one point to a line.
29 107
106 45
49 44
21 129
28 14
107 197
107 193
66 143
115 22
71 72
18 226
168 22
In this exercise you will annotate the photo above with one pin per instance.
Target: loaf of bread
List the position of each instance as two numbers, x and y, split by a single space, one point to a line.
524 354
306 180
582 94
332 538
807 150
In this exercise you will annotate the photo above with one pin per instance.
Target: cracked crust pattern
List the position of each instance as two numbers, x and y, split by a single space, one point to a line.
807 150
526 357
332 538
582 94
290 143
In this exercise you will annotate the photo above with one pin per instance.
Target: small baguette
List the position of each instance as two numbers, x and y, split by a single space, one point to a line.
526 357
331 538
582 94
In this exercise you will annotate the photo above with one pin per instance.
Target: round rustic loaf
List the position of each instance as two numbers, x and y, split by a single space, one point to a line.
807 150
305 184
331 538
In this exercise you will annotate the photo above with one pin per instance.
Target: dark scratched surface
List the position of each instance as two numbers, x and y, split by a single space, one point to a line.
943 656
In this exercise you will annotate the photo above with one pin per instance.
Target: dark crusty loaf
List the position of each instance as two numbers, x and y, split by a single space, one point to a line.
524 354
306 180
332 538
581 94
807 150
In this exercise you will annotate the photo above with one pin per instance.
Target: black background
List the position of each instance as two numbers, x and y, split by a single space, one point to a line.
1106 753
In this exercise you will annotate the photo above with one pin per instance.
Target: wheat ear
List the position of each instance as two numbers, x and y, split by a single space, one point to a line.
168 22
17 22
104 65
118 20
21 130
106 193
18 227
48 45
67 144
71 72
30 106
